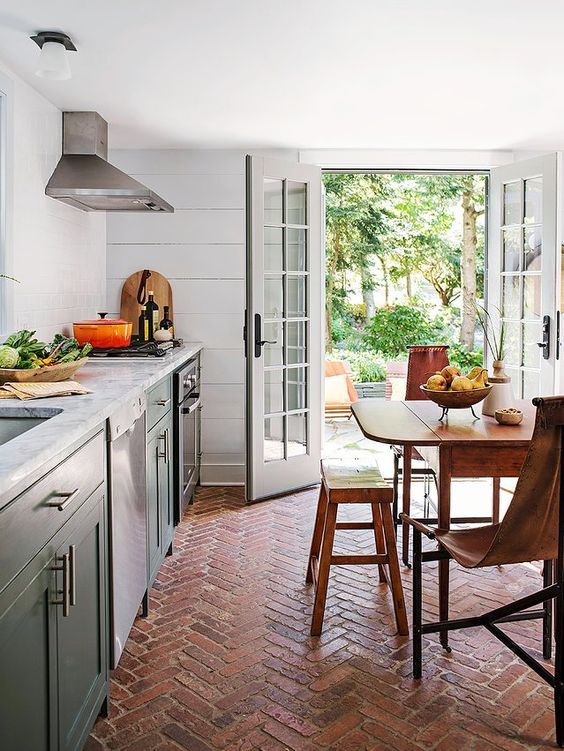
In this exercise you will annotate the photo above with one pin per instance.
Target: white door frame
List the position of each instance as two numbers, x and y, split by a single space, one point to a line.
265 479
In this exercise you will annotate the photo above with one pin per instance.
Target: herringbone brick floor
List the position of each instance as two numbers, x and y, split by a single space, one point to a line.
225 660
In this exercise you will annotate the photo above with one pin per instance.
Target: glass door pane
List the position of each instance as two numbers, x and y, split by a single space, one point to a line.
521 283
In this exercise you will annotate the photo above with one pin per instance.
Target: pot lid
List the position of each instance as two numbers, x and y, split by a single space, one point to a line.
102 321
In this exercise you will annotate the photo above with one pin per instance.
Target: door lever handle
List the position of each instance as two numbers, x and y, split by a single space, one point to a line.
267 341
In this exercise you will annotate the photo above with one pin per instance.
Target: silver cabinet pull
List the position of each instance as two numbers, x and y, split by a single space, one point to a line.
65 592
164 437
163 402
72 574
67 495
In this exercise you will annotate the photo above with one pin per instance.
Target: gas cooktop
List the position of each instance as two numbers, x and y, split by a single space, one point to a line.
137 350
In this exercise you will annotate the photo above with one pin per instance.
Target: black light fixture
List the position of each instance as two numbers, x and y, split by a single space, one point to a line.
53 60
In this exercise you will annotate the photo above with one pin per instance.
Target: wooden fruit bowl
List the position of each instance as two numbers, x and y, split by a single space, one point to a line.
456 399
46 374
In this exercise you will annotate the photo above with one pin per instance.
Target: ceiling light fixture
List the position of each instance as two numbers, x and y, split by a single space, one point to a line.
53 59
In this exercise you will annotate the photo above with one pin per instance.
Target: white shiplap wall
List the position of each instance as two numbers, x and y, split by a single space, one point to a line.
57 253
201 249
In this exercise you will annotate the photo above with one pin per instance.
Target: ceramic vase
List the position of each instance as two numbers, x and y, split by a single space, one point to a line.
501 396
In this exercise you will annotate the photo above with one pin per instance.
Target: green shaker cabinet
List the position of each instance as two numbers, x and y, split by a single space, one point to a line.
53 623
160 512
81 636
28 658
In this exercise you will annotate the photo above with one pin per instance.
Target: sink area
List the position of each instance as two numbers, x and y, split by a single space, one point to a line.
17 420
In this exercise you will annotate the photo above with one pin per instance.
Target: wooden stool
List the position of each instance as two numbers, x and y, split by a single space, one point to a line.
342 483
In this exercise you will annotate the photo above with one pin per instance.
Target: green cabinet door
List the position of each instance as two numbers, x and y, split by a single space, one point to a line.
154 520
28 669
81 635
160 488
166 484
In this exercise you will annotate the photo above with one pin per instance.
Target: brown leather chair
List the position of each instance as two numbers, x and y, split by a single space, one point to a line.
422 362
532 530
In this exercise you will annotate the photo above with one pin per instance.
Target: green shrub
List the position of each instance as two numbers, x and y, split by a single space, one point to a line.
394 328
464 359
367 367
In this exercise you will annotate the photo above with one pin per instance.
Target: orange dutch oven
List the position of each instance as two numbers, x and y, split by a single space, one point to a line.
104 333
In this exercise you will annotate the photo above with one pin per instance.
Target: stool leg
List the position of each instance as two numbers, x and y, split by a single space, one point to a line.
395 485
395 577
317 532
324 566
379 538
496 486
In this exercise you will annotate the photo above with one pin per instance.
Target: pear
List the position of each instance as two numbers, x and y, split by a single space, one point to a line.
480 381
475 372
449 373
461 383
436 383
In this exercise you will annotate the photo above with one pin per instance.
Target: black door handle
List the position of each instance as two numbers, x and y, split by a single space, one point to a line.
545 344
259 341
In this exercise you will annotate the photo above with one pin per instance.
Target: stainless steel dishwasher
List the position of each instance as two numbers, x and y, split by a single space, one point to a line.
128 520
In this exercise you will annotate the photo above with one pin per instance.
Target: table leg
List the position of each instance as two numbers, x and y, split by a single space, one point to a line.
444 523
406 500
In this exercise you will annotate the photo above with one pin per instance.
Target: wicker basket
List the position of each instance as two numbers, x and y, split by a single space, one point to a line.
456 399
48 373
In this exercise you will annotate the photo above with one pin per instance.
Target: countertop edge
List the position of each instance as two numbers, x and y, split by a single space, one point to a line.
16 475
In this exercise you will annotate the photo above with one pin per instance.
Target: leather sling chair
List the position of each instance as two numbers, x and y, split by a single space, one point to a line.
531 530
422 362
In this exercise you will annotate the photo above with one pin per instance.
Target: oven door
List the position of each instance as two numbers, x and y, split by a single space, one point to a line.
190 432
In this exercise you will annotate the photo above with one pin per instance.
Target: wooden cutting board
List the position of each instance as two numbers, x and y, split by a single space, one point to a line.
130 309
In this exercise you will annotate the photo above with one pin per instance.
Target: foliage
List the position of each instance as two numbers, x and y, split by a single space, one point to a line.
367 367
394 328
495 342
464 359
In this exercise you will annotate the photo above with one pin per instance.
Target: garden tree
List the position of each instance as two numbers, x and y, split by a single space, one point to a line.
355 222
428 240
472 207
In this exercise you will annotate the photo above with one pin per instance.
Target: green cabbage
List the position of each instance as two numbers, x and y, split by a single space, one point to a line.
8 356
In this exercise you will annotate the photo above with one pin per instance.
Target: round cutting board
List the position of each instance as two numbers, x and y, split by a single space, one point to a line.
130 308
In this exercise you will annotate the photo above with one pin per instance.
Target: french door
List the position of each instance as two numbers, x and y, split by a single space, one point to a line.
283 327
522 270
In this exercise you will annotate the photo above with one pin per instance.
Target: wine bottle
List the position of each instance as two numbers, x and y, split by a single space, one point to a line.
143 325
152 313
166 323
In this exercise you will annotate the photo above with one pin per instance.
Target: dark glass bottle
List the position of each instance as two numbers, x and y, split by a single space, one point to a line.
152 314
143 326
166 323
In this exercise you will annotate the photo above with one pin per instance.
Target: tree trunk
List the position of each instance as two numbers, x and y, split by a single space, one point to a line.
468 265
367 284
408 286
385 280
330 282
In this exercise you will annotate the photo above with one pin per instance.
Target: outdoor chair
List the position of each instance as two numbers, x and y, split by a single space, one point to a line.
532 530
340 392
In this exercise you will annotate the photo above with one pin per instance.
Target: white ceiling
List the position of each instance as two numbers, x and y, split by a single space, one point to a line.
306 73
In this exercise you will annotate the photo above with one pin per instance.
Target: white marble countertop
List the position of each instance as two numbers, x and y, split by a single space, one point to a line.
32 453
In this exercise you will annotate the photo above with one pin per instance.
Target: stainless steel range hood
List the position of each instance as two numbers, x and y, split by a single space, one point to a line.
85 179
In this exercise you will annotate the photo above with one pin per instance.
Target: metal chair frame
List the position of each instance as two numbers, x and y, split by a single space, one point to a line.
553 590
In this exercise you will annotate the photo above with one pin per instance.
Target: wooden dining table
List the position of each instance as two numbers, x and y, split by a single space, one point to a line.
459 446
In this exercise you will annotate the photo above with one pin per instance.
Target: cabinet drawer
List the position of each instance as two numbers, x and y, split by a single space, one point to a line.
159 401
31 519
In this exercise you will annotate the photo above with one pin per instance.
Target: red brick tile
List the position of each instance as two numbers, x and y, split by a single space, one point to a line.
225 660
